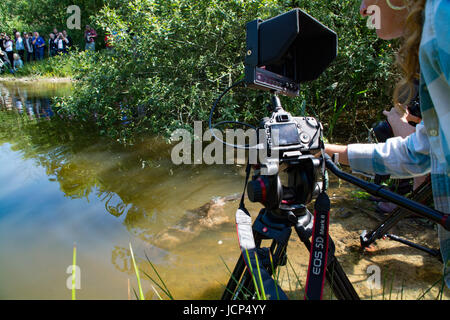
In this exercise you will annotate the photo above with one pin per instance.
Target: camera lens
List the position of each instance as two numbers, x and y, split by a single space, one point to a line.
266 190
257 190
383 131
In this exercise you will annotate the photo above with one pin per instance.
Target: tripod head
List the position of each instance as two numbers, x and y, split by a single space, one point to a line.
290 143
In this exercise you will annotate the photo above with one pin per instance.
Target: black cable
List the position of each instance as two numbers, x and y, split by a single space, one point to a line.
211 126
234 122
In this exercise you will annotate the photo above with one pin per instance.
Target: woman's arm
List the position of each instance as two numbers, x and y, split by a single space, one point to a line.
400 157
342 151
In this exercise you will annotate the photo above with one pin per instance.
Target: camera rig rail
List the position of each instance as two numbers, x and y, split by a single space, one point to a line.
378 191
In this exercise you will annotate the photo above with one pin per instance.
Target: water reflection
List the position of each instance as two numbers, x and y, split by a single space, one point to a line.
25 99
115 193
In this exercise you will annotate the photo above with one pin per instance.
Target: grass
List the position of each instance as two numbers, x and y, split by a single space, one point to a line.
74 264
55 67
162 286
60 66
440 292
259 294
388 291
136 270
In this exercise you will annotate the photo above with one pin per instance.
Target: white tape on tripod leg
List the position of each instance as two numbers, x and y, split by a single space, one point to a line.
244 230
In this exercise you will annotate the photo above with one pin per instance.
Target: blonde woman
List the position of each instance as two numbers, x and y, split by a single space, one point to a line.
18 63
424 26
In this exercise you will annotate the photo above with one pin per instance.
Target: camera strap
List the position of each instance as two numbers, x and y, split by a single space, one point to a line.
319 249
244 220
250 253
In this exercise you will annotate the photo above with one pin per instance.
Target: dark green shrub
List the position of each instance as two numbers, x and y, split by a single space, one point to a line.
172 58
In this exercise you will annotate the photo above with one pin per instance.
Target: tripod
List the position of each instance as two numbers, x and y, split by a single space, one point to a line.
423 194
277 225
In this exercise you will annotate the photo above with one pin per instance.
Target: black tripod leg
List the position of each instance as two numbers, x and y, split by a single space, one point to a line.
241 286
231 290
340 284
423 194
367 238
433 252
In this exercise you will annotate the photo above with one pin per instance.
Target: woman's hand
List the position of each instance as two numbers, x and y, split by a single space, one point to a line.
399 122
341 150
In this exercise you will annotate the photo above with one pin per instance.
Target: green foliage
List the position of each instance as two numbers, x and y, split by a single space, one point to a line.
172 58
60 66
9 21
44 15
166 70
360 79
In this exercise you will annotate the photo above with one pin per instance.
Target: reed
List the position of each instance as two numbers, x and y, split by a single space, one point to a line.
136 270
74 264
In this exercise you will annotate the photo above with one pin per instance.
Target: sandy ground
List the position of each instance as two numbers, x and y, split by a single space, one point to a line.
405 273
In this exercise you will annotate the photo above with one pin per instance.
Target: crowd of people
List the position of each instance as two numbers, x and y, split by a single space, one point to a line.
20 48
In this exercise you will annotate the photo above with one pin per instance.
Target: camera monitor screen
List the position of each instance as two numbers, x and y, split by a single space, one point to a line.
286 50
284 134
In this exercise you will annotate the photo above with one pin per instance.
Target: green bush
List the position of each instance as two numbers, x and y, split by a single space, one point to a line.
60 66
172 58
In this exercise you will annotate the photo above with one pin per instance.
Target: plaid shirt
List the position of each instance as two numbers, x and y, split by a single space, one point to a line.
427 150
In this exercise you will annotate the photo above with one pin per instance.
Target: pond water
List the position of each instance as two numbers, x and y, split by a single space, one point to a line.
61 184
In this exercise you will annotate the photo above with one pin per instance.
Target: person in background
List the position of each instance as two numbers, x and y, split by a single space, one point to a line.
52 50
2 38
401 122
20 46
8 44
61 43
89 37
108 43
69 42
18 63
4 62
39 46
28 46
33 41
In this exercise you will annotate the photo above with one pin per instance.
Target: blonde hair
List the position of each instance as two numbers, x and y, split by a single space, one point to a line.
408 55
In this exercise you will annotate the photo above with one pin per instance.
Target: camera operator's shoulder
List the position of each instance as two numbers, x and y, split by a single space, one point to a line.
442 28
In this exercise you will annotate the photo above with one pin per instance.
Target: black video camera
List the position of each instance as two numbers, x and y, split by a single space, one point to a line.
290 140
383 129
283 52
289 137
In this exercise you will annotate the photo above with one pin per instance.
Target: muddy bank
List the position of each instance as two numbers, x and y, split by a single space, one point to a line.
35 79
405 273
